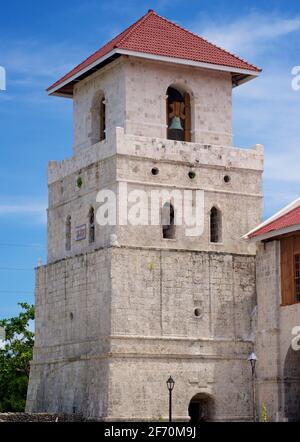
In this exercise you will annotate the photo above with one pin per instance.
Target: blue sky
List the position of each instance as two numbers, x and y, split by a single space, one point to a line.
40 41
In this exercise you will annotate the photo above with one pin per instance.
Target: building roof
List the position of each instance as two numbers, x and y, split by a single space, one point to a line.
285 221
157 37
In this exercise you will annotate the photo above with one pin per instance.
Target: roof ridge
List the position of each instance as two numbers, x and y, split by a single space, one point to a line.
135 26
207 41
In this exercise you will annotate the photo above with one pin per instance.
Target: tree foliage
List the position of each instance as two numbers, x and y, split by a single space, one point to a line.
15 357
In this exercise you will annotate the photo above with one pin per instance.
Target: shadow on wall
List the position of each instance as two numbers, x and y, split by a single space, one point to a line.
292 386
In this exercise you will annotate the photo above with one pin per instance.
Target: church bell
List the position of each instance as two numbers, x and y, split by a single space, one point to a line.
176 124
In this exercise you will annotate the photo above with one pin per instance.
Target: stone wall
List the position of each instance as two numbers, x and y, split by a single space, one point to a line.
160 290
131 161
133 317
112 323
72 327
67 199
135 94
156 332
111 81
146 88
268 328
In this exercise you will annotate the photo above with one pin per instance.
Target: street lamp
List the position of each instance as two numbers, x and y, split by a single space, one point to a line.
253 359
170 385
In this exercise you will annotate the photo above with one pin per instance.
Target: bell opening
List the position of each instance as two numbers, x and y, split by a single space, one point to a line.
176 115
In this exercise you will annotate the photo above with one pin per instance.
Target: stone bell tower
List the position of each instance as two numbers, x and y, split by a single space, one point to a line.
120 308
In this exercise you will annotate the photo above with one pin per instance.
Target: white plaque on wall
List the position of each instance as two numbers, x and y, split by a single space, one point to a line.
80 232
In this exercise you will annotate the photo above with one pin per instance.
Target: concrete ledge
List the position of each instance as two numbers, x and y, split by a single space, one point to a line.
159 149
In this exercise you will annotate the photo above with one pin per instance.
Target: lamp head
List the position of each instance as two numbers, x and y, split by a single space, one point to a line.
252 359
170 383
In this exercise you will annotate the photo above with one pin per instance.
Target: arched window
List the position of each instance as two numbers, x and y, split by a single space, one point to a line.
98 112
91 225
291 384
178 115
68 233
215 225
168 221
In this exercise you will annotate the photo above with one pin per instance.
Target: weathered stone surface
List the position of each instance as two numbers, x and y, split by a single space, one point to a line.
112 323
135 321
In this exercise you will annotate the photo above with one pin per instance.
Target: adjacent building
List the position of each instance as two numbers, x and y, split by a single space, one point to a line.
278 325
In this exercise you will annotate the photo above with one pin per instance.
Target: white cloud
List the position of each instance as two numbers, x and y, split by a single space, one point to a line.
37 64
277 196
10 209
266 110
29 208
33 59
250 34
32 66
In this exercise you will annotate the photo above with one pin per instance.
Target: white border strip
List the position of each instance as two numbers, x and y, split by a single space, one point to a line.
157 58
200 64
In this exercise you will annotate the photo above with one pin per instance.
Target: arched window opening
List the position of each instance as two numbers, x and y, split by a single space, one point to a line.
98 114
215 225
91 226
292 386
178 115
168 221
68 233
201 409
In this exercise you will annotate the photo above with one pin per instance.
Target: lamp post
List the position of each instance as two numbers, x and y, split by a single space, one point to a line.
253 359
170 385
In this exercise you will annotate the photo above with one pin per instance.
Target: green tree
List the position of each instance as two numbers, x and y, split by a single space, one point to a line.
15 357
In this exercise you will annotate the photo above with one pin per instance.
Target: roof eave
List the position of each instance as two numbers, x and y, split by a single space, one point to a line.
277 215
244 75
56 89
274 233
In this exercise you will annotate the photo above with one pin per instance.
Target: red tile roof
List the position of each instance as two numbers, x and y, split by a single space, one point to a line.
288 219
153 34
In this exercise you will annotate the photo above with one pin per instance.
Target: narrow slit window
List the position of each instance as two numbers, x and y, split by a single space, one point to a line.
98 118
168 221
68 233
297 278
102 119
215 225
91 225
